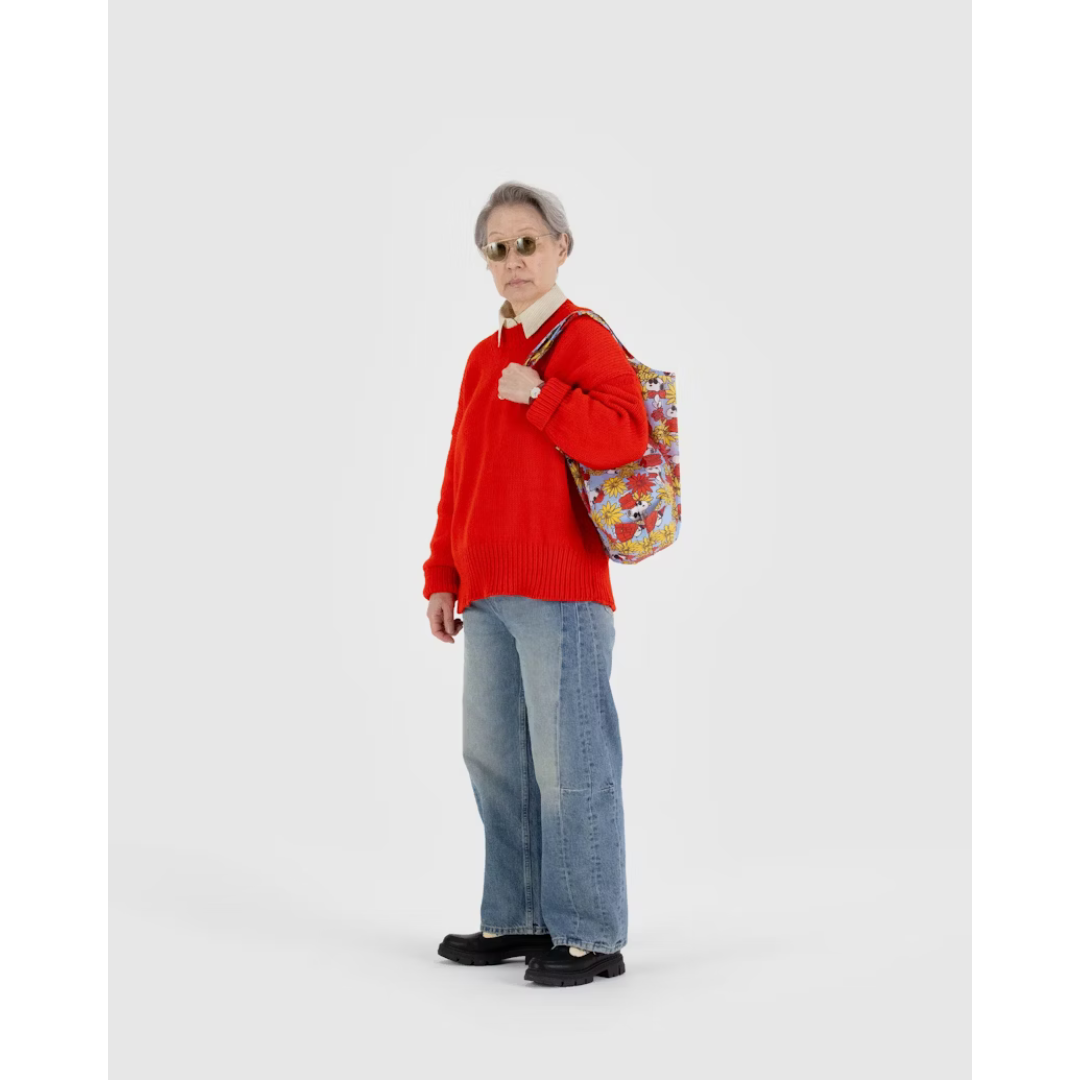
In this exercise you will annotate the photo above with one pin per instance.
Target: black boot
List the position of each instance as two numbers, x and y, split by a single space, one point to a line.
557 967
477 949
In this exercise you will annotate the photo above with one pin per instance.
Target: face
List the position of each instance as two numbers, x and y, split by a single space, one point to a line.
521 279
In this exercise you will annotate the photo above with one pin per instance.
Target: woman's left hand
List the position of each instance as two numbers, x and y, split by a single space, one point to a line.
517 383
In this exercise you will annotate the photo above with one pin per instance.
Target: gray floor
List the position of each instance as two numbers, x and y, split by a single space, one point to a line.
822 964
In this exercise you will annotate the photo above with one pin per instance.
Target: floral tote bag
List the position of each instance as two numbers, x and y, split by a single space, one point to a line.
637 507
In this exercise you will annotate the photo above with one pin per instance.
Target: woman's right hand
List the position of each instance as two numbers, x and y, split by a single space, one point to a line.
440 613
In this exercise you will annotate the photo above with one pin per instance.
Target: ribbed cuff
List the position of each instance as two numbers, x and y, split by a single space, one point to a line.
441 579
546 402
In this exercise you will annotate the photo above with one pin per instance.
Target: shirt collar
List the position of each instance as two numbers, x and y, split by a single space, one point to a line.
535 315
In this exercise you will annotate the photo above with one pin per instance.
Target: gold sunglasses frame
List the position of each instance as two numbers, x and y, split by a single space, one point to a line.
512 240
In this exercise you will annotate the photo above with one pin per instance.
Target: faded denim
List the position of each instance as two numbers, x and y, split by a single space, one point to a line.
544 756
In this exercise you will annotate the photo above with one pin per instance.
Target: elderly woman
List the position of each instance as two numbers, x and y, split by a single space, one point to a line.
515 545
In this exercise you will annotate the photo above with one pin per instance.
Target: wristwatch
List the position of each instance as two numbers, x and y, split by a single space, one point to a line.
535 392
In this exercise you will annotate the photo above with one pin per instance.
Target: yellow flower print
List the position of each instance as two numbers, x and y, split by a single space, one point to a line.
664 535
608 513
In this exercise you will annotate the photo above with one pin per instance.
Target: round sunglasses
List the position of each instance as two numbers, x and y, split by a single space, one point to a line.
524 245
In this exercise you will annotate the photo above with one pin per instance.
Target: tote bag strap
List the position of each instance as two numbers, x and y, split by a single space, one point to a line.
549 339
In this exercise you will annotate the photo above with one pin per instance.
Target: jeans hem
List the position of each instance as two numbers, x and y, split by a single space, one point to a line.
514 929
591 946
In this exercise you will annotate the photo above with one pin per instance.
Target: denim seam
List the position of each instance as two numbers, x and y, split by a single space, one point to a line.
526 852
596 716
618 819
583 735
558 767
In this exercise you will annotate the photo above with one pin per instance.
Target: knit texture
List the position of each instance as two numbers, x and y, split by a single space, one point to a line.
510 520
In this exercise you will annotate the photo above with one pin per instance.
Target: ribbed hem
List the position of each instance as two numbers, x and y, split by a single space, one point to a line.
541 572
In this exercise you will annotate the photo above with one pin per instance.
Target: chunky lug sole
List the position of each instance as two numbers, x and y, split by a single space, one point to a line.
494 954
607 966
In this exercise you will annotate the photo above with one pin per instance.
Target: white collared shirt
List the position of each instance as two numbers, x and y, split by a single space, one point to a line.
535 315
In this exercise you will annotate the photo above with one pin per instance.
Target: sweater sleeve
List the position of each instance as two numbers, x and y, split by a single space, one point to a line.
440 574
591 405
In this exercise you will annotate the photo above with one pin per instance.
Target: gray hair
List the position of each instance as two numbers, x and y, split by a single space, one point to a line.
511 194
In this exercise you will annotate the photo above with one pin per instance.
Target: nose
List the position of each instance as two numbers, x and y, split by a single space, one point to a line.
513 261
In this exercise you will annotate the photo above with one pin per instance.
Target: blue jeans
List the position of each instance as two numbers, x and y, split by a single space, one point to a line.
544 756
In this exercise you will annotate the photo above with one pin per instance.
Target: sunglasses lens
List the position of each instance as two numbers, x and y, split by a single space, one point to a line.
525 245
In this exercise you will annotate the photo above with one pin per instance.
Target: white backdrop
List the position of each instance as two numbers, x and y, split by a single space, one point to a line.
773 204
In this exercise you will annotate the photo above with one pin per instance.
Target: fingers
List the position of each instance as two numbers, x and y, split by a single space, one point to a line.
438 626
443 624
451 625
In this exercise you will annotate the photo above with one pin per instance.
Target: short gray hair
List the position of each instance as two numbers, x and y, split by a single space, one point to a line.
547 205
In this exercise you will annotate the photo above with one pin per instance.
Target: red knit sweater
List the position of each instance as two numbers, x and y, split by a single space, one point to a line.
510 521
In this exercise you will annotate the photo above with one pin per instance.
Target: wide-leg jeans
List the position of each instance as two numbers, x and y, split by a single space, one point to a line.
544 756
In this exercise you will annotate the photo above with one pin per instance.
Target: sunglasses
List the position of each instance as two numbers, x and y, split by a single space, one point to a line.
524 245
